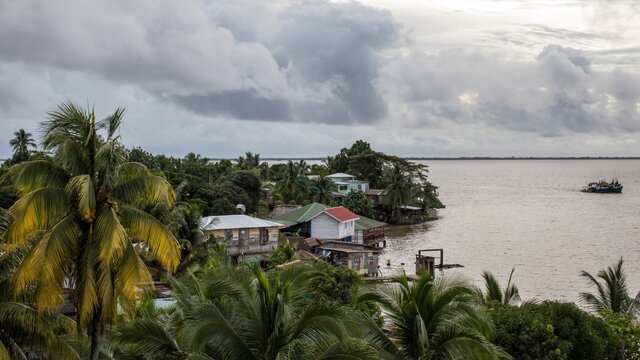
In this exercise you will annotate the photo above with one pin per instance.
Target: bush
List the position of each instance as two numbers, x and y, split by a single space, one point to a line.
554 330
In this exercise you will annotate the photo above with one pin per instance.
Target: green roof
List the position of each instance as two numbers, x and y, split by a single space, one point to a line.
300 215
365 223
307 212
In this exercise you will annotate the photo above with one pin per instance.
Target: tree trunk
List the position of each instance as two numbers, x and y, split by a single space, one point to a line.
95 330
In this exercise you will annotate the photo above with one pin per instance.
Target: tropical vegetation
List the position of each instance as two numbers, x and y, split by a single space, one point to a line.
81 216
87 227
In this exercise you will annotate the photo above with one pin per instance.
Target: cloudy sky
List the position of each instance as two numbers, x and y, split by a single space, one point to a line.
306 78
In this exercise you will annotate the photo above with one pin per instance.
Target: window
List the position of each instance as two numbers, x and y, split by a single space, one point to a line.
345 225
359 187
264 236
343 187
228 234
243 234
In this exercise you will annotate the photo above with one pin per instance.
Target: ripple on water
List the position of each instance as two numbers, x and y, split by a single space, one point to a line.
529 214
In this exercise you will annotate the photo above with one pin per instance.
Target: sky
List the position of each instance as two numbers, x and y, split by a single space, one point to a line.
426 78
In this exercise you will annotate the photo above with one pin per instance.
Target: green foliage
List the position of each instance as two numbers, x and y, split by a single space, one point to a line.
334 283
611 290
322 189
359 203
80 215
432 319
553 330
495 295
404 182
224 312
628 329
250 183
283 253
21 144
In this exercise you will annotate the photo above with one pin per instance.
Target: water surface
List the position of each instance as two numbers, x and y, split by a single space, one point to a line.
529 214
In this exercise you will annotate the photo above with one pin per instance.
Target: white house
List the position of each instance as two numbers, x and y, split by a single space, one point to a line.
337 223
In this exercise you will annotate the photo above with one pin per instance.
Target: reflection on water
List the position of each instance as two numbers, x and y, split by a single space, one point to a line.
531 215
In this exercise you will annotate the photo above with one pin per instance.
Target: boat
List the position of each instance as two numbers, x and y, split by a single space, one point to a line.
604 187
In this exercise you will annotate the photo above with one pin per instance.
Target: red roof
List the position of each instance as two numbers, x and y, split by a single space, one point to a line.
341 213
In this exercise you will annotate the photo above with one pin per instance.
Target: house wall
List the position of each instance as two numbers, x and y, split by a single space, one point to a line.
347 229
324 226
250 245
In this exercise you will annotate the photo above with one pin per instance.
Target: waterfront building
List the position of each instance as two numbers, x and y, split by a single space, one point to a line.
246 237
332 223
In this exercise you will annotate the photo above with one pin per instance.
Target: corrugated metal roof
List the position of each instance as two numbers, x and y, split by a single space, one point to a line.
367 224
340 175
307 212
341 213
300 215
221 222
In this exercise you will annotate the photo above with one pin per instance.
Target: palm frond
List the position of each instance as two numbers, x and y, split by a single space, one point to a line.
144 227
144 190
35 211
27 329
111 123
29 176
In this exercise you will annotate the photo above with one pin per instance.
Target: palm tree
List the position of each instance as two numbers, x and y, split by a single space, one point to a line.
611 293
495 295
294 185
322 190
398 191
229 313
432 319
21 144
20 326
84 215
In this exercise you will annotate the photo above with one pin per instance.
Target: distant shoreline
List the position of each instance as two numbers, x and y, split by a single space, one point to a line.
450 158
463 158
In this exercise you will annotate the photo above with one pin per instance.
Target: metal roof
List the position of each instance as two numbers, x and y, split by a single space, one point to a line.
341 213
222 222
341 175
307 212
300 215
367 224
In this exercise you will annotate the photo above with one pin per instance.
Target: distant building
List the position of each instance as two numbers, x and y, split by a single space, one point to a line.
244 236
348 183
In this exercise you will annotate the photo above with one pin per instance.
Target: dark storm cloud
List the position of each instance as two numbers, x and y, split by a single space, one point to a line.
243 105
336 47
243 59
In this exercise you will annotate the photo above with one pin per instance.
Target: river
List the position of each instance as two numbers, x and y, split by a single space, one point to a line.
529 214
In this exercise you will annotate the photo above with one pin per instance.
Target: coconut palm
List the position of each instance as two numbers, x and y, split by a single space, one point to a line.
87 209
22 331
21 144
322 190
496 295
432 319
226 313
294 185
398 191
611 293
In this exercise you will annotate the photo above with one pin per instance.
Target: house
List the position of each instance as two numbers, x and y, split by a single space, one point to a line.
376 196
348 183
363 259
244 236
332 223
